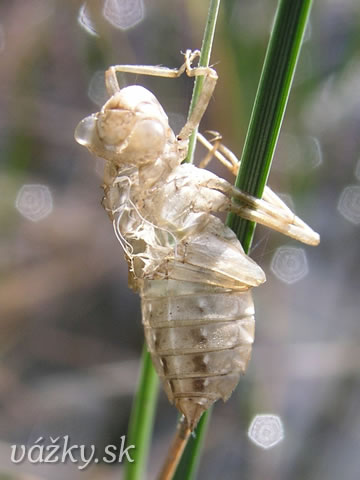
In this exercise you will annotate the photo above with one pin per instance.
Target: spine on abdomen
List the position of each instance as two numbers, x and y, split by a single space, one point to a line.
200 338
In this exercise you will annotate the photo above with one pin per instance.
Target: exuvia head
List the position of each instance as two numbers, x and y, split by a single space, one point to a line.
131 128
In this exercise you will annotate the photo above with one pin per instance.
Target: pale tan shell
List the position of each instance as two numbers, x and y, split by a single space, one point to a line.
189 268
200 339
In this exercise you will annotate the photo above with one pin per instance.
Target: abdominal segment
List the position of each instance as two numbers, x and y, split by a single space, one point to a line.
200 338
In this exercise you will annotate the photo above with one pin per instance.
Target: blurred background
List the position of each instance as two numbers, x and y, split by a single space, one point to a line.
71 332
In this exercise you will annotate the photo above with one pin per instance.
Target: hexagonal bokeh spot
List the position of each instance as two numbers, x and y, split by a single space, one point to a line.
266 430
313 151
85 20
349 203
124 14
34 202
289 264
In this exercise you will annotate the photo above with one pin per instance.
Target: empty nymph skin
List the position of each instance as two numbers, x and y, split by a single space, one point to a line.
190 270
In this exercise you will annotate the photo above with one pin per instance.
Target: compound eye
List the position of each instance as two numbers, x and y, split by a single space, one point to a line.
84 133
148 136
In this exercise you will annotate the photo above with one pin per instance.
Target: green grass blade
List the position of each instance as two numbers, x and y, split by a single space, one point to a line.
142 419
143 411
270 104
189 462
203 62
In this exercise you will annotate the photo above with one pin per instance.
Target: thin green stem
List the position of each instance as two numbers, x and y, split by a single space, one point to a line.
143 411
142 419
189 462
270 103
203 62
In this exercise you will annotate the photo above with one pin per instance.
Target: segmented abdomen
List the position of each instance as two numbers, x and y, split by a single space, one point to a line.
200 338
